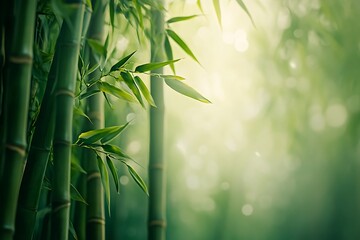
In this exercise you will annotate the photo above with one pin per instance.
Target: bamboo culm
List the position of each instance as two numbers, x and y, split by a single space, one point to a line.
69 44
17 80
157 208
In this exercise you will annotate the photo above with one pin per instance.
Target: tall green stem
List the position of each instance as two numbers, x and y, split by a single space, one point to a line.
69 44
95 228
18 78
157 202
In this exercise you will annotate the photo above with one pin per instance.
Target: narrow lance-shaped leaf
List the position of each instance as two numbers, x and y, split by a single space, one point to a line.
182 18
129 80
114 173
186 90
155 65
168 52
145 91
104 134
138 9
80 112
88 94
176 77
105 179
198 2
181 43
243 6
75 195
216 4
138 179
112 13
122 62
115 91
72 230
115 151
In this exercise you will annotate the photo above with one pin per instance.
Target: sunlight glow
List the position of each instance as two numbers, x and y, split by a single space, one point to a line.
247 209
336 115
124 180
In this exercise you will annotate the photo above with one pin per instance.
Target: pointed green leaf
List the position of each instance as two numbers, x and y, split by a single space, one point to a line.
121 63
80 112
96 46
77 167
130 82
243 6
198 2
145 91
72 230
138 179
155 65
75 195
176 77
186 90
115 151
168 52
104 134
112 13
105 179
115 91
181 18
88 93
114 132
139 12
181 43
114 173
216 4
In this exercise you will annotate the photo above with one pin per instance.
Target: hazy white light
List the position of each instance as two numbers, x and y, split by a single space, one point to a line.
240 41
134 147
228 37
192 182
225 186
257 154
208 204
336 115
292 64
317 122
247 209
191 1
124 180
130 117
122 43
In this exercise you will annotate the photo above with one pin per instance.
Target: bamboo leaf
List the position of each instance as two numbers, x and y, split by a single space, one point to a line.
77 167
115 151
96 46
175 77
216 4
145 91
88 94
114 173
198 2
112 13
121 63
72 230
169 52
186 90
104 135
243 6
181 43
80 112
155 65
181 18
138 9
75 195
115 91
129 80
138 179
105 179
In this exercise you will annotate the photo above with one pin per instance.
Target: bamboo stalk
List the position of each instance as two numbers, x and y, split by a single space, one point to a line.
18 78
157 208
69 44
37 160
95 226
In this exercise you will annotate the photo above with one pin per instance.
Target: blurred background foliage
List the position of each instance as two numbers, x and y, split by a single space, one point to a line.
276 156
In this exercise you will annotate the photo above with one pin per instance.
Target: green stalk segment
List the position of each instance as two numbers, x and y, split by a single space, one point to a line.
95 226
157 208
69 44
17 81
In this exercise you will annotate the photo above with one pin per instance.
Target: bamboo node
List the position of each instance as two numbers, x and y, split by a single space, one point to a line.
157 223
93 175
65 92
61 206
157 166
96 220
18 149
21 59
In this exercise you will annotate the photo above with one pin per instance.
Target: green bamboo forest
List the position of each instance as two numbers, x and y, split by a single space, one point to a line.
179 119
